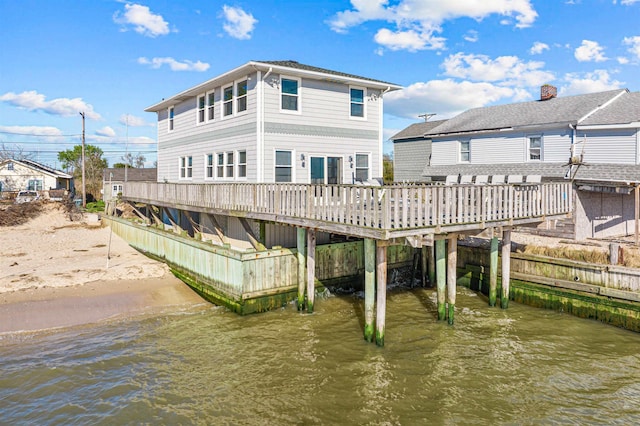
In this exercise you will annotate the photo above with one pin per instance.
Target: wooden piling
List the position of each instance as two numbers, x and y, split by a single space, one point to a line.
432 265
441 275
424 269
506 268
381 291
452 257
493 271
311 268
369 287
302 265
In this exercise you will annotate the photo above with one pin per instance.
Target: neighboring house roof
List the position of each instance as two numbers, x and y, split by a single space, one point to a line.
292 68
416 130
133 174
624 110
39 168
556 111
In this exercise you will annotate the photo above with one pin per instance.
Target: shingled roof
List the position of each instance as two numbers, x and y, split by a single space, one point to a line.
624 110
562 111
416 130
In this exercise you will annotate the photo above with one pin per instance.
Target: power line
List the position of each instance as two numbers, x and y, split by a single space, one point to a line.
33 134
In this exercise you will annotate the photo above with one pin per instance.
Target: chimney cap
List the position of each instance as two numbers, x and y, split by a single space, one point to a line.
548 91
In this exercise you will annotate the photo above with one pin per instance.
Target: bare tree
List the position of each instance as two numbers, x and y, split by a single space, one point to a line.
140 159
136 161
14 152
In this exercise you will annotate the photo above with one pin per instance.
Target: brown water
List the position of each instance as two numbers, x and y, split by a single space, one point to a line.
210 366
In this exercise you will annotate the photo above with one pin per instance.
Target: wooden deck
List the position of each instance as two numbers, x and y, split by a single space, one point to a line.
381 213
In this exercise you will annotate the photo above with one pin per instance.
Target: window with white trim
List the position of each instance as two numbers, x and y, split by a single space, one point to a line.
171 114
362 167
289 98
241 96
220 166
242 164
201 108
227 101
35 185
10 166
535 148
186 167
356 96
284 167
465 151
209 166
211 101
229 165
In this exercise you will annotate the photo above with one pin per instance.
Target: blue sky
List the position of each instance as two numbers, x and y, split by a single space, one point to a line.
110 59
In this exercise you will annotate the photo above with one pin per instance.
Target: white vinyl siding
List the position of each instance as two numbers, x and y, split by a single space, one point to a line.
607 146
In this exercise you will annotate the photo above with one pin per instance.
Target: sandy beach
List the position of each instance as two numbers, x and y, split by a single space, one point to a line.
55 272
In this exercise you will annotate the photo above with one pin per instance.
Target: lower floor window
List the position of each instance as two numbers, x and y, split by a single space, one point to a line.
283 166
186 167
35 185
362 167
209 166
242 164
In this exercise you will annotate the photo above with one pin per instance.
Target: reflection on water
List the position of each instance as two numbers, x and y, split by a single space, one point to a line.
210 366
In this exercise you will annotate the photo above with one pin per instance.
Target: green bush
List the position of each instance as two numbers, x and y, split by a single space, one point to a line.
95 207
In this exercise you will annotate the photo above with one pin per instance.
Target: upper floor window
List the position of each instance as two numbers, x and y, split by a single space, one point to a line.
227 101
171 117
535 148
211 101
465 152
357 102
242 164
186 167
209 166
284 167
10 166
362 167
289 97
201 108
241 96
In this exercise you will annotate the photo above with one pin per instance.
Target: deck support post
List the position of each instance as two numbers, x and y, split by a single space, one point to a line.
432 265
493 271
441 275
369 287
452 260
311 268
381 291
506 268
302 265
424 268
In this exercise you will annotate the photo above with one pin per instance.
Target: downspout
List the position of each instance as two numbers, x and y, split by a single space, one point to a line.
260 144
380 133
571 149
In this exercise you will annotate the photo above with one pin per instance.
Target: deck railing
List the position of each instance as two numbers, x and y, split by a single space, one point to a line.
396 207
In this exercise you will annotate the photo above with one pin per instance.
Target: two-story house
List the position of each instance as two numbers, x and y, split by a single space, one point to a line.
273 121
592 139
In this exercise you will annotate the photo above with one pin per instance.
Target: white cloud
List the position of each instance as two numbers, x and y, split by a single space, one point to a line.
142 19
239 24
471 36
590 51
503 70
634 43
538 48
413 24
173 64
629 2
596 81
141 140
31 130
106 131
65 107
622 60
436 96
134 121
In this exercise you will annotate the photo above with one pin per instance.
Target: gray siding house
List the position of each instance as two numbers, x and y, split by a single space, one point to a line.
273 121
591 139
412 151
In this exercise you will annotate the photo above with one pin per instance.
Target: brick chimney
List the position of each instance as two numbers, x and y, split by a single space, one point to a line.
547 92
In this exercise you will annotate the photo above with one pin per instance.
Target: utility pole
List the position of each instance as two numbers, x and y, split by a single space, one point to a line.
84 186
